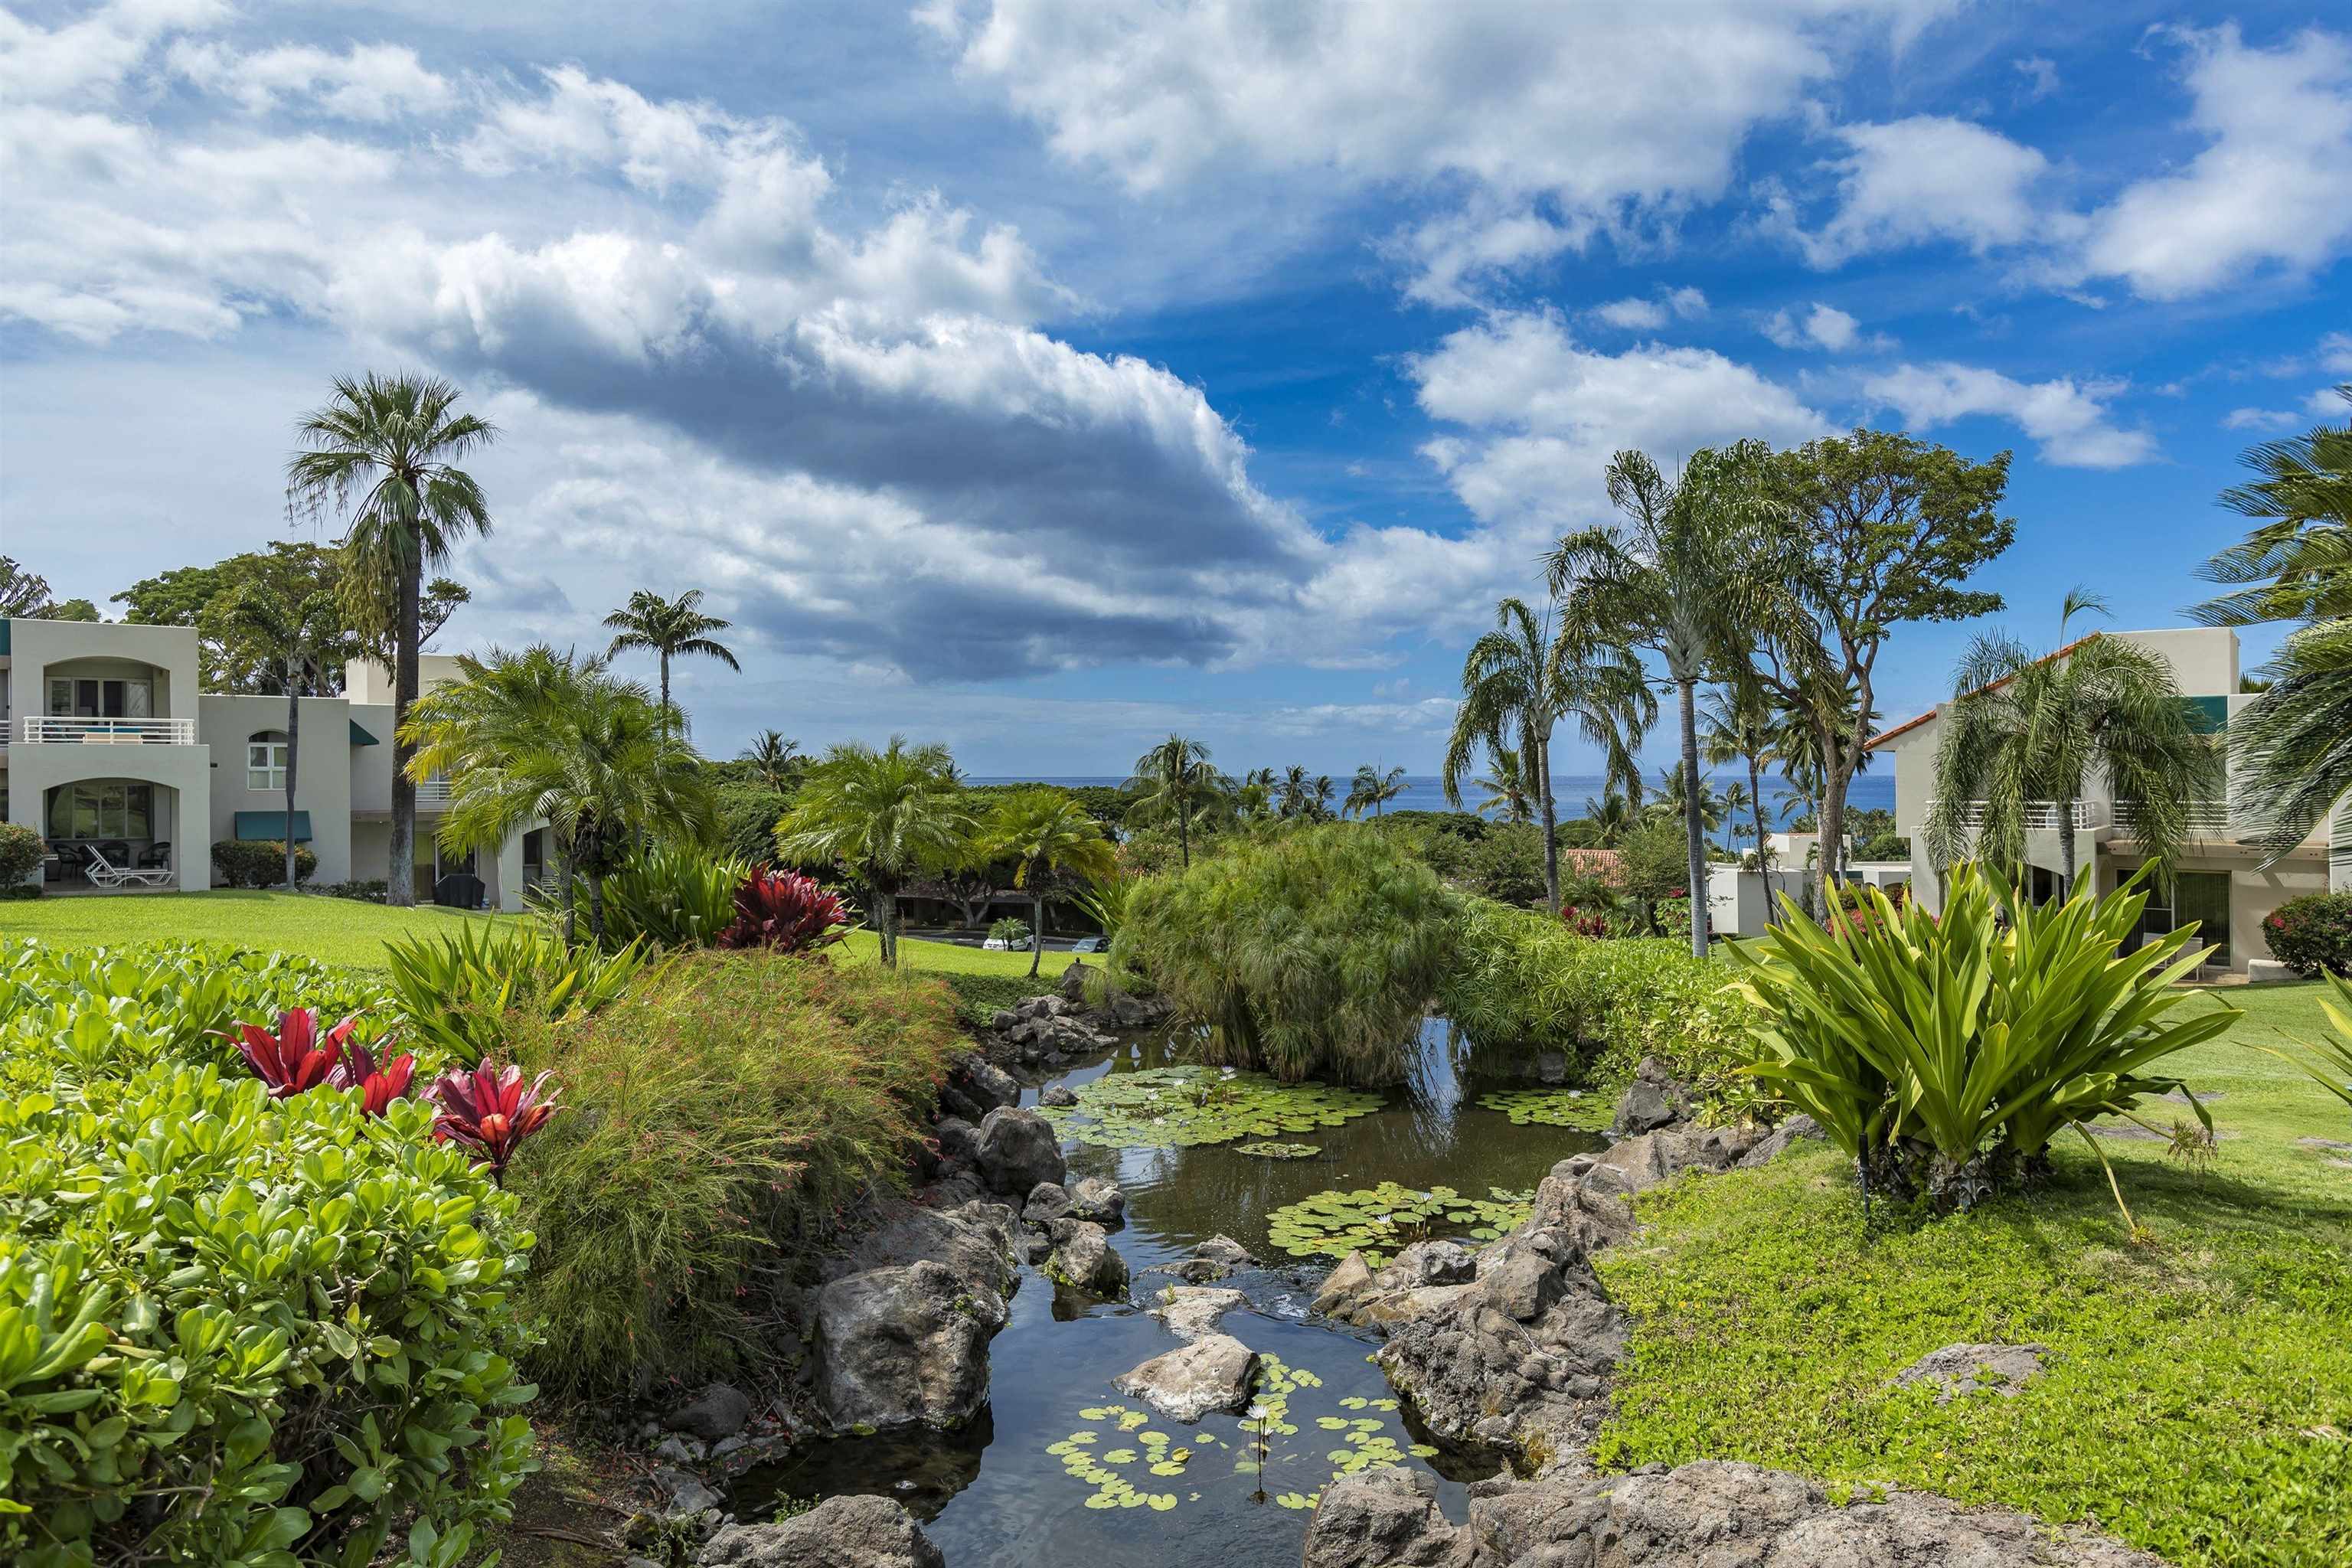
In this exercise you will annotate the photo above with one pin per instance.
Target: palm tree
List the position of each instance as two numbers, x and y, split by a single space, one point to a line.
885 818
541 736
1669 585
2292 744
1041 832
1174 779
775 760
1506 783
672 628
1319 797
1520 681
1673 800
2022 729
1254 797
1293 789
1373 789
1613 817
303 635
1739 728
382 453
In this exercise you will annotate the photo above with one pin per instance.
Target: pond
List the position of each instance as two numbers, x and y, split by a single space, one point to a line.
1061 1470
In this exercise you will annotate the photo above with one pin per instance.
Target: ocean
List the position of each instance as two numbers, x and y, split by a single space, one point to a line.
1425 793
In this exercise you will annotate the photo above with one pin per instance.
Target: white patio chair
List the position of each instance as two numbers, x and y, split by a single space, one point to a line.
104 873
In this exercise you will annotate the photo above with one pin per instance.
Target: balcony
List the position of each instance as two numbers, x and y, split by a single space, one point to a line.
2040 815
36 729
433 794
2206 818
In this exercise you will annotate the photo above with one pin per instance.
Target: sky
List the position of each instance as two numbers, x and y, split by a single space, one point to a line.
1045 376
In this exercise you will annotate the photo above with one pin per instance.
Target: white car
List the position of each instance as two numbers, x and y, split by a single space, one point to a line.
998 944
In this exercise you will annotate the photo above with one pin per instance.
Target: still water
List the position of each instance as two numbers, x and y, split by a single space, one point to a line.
992 1497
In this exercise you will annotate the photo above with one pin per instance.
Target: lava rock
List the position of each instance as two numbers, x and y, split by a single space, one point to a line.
1084 1258
1188 1383
719 1411
1061 1096
1383 1518
855 1531
987 1085
1957 1369
1191 1311
1778 1141
907 1346
686 1494
1048 1201
1093 1198
1017 1150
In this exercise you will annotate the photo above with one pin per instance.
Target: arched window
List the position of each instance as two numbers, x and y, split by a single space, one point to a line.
265 760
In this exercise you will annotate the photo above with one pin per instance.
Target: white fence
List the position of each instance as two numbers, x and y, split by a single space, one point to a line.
36 730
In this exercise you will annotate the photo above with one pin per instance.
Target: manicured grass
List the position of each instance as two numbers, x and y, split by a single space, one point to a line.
347 932
2198 1395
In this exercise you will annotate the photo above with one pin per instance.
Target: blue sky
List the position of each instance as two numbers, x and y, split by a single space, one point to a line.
1045 375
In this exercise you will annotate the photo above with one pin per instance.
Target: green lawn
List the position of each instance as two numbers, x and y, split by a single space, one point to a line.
2199 1397
346 932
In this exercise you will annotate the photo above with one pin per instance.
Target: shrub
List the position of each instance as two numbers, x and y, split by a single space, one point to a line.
458 992
1014 933
365 892
785 911
238 1329
22 850
721 1109
260 863
1312 955
671 897
2312 934
1945 1055
747 822
1506 864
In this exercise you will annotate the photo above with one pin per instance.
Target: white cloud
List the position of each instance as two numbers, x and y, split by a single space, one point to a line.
367 81
2272 188
2069 420
2335 353
2040 75
1637 314
2268 419
1924 179
90 57
1563 120
1823 327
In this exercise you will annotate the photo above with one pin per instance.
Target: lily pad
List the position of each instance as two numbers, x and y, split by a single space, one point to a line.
1280 1151
1182 1107
1380 1221
1551 1108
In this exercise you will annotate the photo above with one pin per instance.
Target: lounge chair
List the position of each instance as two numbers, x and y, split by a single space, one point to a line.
104 873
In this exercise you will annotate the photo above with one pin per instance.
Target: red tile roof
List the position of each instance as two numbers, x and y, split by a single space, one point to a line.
1912 723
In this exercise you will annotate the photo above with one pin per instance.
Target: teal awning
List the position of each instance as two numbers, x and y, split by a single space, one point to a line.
2207 715
257 827
361 736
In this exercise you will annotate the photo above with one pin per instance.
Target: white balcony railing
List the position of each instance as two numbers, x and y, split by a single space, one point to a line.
2207 819
433 791
36 730
2040 815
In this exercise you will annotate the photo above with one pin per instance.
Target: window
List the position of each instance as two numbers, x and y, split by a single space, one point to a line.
103 810
265 761
81 698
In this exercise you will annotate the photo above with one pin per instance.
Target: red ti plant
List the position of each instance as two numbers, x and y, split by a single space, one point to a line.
295 1059
378 1086
787 911
490 1110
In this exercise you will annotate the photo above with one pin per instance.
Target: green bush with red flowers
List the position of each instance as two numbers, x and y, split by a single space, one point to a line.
2312 934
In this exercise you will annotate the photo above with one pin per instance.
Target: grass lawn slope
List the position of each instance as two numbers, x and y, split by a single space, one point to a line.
2198 1400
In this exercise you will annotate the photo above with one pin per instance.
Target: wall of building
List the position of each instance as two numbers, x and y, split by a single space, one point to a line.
322 773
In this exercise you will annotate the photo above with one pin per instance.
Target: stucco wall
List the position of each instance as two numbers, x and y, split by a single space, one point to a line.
322 774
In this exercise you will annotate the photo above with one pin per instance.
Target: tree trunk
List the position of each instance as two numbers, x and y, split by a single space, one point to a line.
293 754
885 906
1763 860
571 908
1183 830
400 882
1692 828
1540 760
596 909
1036 929
665 683
2065 849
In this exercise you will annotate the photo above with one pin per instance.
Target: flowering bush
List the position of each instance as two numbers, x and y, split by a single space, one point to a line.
1585 923
2313 933
786 913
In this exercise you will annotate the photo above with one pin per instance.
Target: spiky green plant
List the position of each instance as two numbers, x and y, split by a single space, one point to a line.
2330 1062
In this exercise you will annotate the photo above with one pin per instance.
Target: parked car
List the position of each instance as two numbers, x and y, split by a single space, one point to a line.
998 944
1091 944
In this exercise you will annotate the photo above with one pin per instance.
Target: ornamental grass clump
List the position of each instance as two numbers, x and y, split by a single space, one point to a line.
1313 955
1943 1055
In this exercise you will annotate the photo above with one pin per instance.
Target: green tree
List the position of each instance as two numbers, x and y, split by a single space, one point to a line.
382 453
775 760
546 737
1739 728
1508 795
1668 584
24 595
2024 728
1254 800
1044 832
1612 817
1373 789
303 637
1296 790
1873 530
885 818
1172 781
671 628
1520 681
2292 744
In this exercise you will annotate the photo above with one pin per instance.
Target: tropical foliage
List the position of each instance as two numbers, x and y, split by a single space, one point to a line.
671 629
2312 934
1175 784
1313 955
1944 1054
784 911
1044 833
460 991
885 817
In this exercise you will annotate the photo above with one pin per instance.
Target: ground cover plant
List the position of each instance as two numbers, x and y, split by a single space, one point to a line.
2199 1382
1379 1222
188 996
464 990
1184 1107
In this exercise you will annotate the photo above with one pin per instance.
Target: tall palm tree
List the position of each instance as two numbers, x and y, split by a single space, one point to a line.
1293 789
1520 681
673 629
543 736
1613 817
1739 728
1373 789
2292 744
1319 797
886 817
1675 803
2024 728
775 760
1174 779
1668 583
1254 797
1508 791
382 453
1041 832
303 635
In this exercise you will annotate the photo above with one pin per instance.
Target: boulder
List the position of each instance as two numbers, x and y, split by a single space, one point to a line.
973 1241
1212 1372
1072 987
1778 1141
958 1140
1210 1260
719 1411
1191 1311
1016 1150
1957 1369
1345 1287
1383 1518
1092 1197
986 1084
904 1346
1048 1201
1438 1263
1084 1258
839 1532
1061 1096
1644 1108
686 1492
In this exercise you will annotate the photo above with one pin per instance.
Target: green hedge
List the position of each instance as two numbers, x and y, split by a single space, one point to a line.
233 1329
2311 933
260 863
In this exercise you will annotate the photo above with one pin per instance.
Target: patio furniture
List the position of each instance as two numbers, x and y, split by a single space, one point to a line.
114 849
156 854
104 873
458 890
